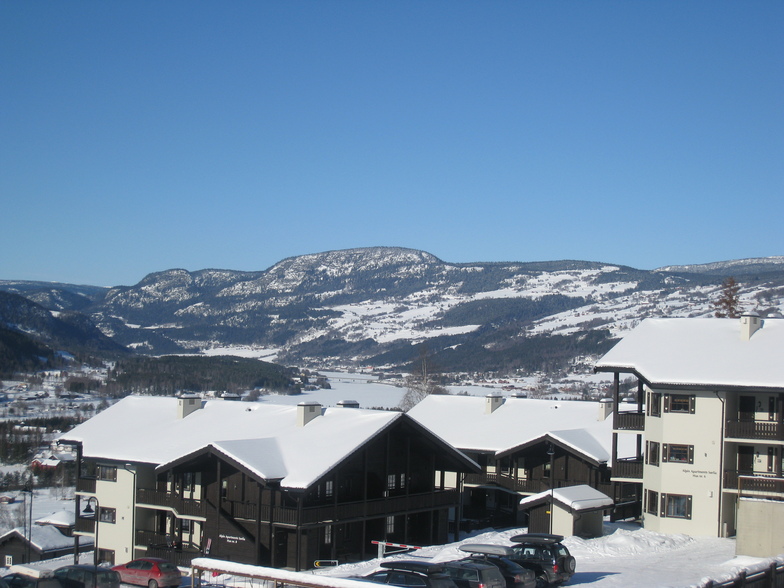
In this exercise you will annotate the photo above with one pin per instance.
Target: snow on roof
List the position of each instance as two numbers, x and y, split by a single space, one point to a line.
43 538
61 518
701 352
147 430
576 498
463 422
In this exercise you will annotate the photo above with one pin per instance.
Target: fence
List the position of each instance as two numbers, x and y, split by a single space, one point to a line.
772 577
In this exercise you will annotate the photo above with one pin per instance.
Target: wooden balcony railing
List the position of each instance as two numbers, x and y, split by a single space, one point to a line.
181 506
747 429
629 421
754 484
85 525
627 468
515 485
308 515
86 484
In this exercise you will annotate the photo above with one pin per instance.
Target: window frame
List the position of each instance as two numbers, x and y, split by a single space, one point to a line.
668 505
106 473
667 453
686 403
652 453
107 514
652 502
654 404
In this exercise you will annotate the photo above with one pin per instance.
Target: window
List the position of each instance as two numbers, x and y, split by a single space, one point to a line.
678 453
9 561
390 525
328 488
391 481
106 473
402 481
328 535
107 515
652 455
652 502
105 556
654 404
682 403
677 506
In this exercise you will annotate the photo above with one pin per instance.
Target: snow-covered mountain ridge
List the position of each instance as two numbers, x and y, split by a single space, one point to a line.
368 306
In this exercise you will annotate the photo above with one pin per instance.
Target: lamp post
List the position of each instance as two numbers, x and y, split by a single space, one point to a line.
95 512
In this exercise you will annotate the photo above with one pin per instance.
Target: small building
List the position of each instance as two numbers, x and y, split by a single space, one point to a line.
50 537
575 510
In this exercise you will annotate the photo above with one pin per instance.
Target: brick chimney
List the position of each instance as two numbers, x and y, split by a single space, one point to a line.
750 323
307 411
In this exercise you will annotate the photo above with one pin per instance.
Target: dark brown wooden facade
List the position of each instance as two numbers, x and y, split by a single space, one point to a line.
494 494
393 488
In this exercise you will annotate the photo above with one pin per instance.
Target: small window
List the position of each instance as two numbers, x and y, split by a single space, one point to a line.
9 561
391 481
328 488
677 506
678 453
652 456
681 403
390 527
106 556
107 515
328 535
107 473
652 503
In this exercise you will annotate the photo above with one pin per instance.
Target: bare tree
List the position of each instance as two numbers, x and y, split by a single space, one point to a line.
728 303
421 382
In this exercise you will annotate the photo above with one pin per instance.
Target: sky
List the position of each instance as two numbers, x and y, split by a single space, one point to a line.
144 136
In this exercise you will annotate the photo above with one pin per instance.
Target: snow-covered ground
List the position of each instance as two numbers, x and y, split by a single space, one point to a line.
626 556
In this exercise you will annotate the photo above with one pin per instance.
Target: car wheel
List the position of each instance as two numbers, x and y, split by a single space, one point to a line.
152 584
541 581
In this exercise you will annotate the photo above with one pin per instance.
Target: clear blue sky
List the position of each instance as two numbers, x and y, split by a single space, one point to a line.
138 136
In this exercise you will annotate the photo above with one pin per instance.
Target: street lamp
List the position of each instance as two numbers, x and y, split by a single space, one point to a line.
94 512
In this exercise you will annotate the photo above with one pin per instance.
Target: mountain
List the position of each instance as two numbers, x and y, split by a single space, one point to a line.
367 307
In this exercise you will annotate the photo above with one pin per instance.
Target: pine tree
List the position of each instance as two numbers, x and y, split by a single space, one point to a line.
728 304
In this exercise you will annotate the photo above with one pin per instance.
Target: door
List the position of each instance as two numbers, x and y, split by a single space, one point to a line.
746 408
745 459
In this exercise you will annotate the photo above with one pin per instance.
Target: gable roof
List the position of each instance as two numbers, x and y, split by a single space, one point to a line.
580 498
701 353
43 538
263 439
516 424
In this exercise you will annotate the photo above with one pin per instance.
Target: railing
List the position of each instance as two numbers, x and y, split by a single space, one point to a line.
85 525
85 484
748 429
630 468
182 506
516 485
761 486
308 515
629 421
181 558
771 577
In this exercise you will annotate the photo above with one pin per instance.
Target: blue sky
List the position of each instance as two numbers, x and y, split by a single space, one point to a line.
142 136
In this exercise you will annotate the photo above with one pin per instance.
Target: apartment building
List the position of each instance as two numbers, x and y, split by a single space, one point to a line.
708 425
258 483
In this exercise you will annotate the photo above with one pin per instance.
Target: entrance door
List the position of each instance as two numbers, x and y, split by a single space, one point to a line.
746 408
745 459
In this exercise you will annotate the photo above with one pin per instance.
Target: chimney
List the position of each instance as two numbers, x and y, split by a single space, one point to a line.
186 404
605 408
750 323
307 411
348 404
493 401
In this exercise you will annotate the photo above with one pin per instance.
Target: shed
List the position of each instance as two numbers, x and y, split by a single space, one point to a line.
574 510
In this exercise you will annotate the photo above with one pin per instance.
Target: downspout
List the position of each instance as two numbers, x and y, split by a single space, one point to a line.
721 464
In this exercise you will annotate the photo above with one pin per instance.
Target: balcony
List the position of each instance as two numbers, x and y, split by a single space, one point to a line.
181 506
515 485
748 429
758 485
629 468
85 525
629 421
86 484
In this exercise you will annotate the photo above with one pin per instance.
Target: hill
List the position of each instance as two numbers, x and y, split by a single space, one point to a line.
367 307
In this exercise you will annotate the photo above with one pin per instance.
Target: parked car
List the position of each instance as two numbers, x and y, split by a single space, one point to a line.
87 576
545 555
516 576
17 580
474 574
408 573
152 572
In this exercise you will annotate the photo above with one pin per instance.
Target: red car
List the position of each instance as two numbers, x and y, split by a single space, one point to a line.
149 571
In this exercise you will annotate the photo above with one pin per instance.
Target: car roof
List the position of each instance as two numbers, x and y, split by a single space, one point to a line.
537 538
423 567
471 563
487 549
